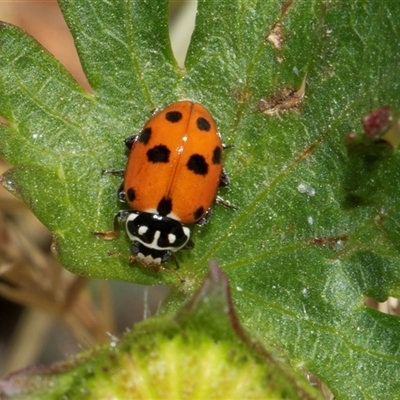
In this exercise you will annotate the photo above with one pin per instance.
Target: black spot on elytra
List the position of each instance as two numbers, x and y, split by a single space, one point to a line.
203 124
158 154
217 155
197 164
164 206
198 213
130 194
144 136
173 116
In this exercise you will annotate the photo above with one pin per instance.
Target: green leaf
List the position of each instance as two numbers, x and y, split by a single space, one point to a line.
60 138
316 230
172 358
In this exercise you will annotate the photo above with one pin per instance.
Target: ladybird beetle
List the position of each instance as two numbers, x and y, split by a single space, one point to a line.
173 172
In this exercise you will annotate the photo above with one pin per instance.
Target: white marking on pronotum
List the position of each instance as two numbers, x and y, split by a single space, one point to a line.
143 229
154 244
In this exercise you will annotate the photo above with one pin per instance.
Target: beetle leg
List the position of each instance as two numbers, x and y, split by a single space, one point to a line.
225 203
122 215
206 219
224 179
115 172
130 141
